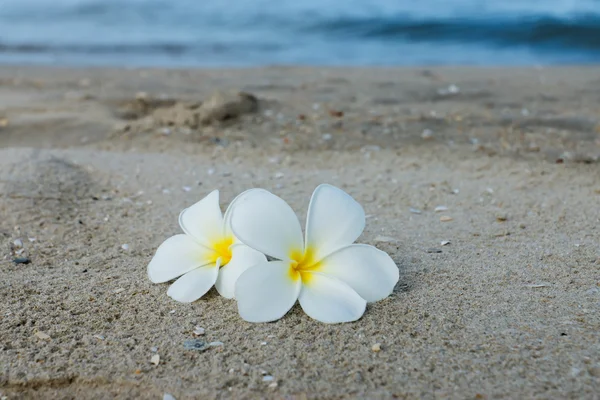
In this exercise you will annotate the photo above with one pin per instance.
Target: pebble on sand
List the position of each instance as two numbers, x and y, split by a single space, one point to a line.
198 331
376 347
446 218
42 335
155 359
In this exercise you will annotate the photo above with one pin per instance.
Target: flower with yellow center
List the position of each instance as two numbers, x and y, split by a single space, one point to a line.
331 277
207 254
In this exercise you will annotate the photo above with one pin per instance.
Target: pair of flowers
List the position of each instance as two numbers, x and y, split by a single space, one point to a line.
332 278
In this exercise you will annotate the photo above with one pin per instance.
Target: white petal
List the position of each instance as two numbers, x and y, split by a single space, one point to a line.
330 300
176 256
227 218
194 284
203 221
369 271
243 257
266 292
334 220
268 224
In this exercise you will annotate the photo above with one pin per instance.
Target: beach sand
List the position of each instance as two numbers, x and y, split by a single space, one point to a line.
96 164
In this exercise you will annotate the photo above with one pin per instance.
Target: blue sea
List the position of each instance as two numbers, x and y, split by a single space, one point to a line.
209 33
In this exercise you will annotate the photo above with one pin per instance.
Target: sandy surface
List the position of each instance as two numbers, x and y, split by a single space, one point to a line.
508 309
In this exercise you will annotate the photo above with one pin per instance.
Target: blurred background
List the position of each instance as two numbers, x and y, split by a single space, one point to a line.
183 33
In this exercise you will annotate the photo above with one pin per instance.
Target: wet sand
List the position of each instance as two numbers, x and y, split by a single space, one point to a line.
504 164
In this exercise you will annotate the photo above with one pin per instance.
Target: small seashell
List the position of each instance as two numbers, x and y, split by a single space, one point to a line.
155 359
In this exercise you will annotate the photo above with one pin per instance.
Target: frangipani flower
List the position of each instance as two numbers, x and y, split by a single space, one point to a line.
207 254
332 278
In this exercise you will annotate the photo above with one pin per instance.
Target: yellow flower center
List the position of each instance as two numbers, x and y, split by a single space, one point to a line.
302 265
222 249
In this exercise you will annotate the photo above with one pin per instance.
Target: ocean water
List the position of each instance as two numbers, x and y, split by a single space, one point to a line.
182 33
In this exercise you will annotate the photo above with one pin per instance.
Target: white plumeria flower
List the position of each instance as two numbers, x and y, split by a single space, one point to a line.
332 278
207 254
